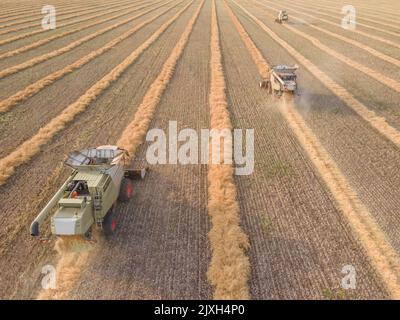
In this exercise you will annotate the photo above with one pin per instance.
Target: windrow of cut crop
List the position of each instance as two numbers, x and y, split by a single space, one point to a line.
377 122
263 67
229 269
73 16
44 57
389 82
39 15
126 10
17 13
59 26
335 24
71 264
379 250
381 253
14 13
355 43
378 17
24 152
135 132
381 10
335 14
39 85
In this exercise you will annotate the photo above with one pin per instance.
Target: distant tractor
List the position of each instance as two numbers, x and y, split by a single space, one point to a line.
281 79
282 16
89 197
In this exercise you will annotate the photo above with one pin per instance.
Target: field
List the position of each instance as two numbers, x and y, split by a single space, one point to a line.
323 197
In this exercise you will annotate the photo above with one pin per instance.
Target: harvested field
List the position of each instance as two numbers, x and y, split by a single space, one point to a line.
322 198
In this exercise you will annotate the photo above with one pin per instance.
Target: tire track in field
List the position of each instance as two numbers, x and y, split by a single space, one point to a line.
360 45
381 253
35 32
34 88
36 60
67 33
365 34
40 15
32 146
229 269
377 122
392 33
37 23
71 264
389 82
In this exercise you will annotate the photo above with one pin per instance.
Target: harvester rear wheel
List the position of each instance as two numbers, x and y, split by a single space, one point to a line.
110 222
126 191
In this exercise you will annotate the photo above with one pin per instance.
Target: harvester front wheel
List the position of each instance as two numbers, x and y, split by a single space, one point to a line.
126 191
110 222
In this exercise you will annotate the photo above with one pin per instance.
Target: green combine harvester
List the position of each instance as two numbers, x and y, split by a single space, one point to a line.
89 197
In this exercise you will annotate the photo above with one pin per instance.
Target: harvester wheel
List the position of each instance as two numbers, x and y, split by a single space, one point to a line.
110 222
126 190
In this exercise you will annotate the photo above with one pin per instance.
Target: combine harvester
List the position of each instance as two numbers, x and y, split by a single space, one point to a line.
281 79
282 16
89 197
